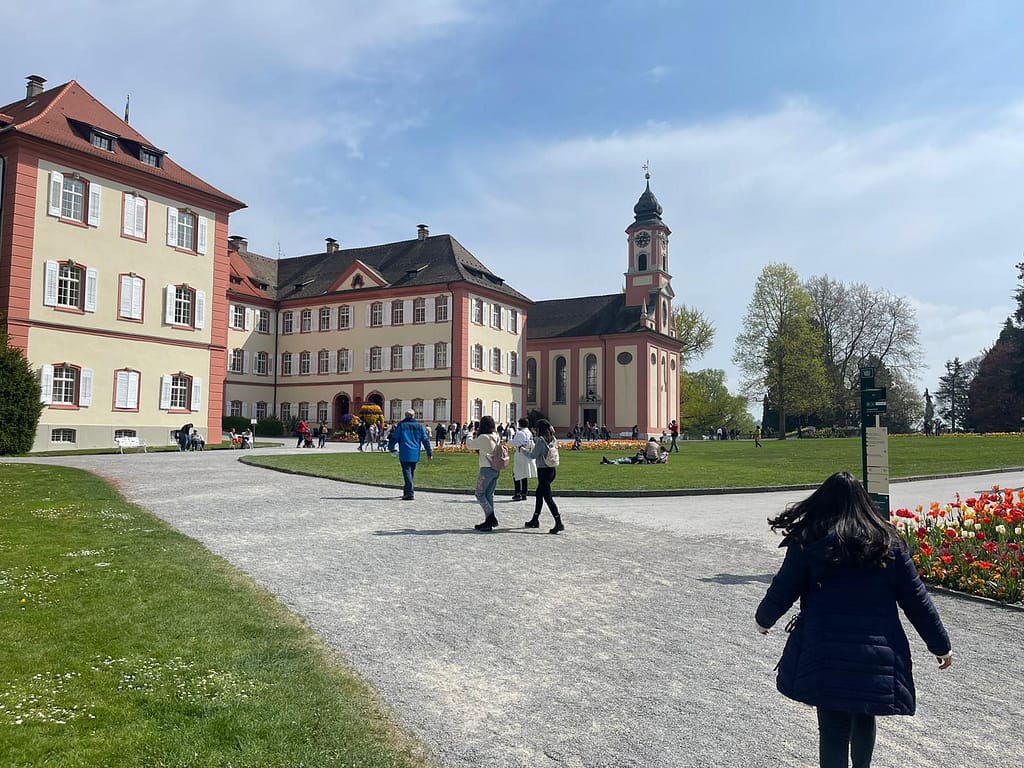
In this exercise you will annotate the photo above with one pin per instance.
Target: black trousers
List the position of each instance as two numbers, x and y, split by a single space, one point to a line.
842 735
521 487
545 477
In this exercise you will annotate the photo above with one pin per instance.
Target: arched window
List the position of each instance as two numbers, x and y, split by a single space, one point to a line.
591 366
641 262
561 379
531 380
478 409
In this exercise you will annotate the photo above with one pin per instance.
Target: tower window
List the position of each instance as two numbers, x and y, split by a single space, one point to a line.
641 262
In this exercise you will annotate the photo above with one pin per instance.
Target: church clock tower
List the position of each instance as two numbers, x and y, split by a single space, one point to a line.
648 282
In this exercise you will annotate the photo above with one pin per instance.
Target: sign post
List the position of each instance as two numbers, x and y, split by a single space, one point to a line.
874 441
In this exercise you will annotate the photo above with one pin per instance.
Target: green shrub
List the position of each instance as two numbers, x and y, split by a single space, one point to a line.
19 400
269 427
237 423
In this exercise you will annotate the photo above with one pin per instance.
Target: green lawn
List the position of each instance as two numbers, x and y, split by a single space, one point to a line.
699 464
128 644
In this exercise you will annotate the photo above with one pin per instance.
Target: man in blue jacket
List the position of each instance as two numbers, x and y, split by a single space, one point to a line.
409 436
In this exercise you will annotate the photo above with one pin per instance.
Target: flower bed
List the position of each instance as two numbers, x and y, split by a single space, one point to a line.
566 445
975 545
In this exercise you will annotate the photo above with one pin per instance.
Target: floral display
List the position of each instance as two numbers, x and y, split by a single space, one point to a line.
973 545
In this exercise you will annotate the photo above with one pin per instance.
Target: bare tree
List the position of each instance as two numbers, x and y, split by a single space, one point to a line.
859 323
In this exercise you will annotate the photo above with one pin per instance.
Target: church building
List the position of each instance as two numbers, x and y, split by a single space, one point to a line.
611 360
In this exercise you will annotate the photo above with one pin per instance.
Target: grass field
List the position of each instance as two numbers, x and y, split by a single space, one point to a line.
128 644
704 464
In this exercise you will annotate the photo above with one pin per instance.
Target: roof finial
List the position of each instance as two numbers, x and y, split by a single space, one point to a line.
647 169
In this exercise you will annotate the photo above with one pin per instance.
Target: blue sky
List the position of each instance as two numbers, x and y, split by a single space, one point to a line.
875 142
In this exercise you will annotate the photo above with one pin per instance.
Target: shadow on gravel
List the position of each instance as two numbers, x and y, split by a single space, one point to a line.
739 578
446 531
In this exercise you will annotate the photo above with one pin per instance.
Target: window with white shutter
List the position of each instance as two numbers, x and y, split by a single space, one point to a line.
129 303
92 280
134 222
85 388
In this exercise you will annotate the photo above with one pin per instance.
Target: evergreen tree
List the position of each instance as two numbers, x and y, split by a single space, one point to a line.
19 400
953 393
996 404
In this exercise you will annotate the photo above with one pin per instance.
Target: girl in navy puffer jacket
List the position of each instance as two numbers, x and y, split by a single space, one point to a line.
847 654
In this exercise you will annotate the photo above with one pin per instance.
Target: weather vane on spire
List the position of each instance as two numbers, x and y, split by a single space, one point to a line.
647 169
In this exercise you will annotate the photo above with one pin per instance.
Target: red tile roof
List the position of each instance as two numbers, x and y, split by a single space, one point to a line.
50 115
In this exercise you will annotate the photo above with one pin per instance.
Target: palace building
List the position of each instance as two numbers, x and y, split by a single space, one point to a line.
119 281
113 273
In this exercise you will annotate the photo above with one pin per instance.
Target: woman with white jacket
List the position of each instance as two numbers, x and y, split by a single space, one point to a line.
486 443
523 467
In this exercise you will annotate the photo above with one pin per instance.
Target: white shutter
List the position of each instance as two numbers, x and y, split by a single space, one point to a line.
46 384
270 364
385 313
368 316
56 194
231 315
200 320
407 311
428 356
127 298
50 284
248 318
85 388
140 217
508 363
92 279
95 194
172 227
429 315
227 407
133 389
406 405
448 356
128 225
245 409
246 357
197 392
428 410
366 360
201 240
169 304
165 392
385 359
406 358
121 390
136 298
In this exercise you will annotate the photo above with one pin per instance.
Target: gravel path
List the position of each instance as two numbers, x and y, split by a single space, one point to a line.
626 641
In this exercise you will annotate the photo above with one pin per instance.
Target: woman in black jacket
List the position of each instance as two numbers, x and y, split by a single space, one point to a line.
847 654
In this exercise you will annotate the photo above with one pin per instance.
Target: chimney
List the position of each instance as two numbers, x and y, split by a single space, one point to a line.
34 86
332 245
422 231
238 244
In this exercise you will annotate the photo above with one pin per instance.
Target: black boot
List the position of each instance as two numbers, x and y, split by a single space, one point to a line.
533 522
558 525
487 525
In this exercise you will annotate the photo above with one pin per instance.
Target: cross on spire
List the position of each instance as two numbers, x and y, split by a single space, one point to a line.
647 169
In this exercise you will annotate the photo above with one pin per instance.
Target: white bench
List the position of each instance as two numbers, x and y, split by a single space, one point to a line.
129 442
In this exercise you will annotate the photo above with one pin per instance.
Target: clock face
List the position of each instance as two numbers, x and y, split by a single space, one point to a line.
642 239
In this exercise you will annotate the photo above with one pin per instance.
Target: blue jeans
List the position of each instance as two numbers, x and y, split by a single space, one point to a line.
408 473
486 482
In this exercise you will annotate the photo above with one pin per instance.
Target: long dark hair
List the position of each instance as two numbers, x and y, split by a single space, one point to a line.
544 430
842 507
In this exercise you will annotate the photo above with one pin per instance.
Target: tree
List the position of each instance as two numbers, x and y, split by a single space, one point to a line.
953 392
779 349
20 406
857 323
995 404
694 331
705 403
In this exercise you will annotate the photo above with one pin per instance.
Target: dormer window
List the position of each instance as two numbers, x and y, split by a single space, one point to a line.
103 141
149 157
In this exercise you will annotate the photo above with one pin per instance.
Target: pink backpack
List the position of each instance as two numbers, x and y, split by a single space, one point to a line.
499 459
